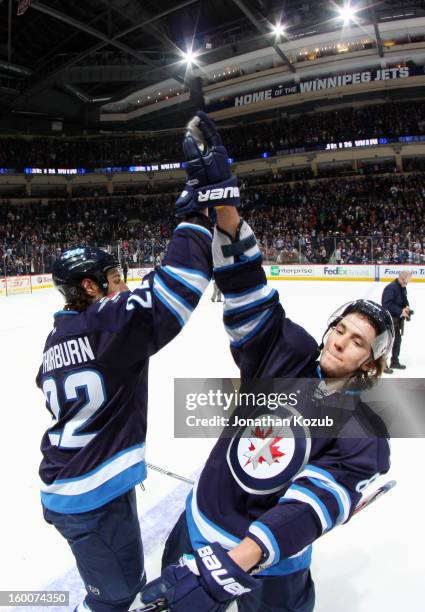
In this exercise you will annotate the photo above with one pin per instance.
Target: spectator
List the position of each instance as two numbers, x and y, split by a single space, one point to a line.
245 141
372 219
394 299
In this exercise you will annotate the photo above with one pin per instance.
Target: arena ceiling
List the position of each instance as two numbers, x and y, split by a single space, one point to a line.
65 59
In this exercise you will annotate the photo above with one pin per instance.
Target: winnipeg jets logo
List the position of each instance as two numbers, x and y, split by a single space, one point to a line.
262 448
264 458
265 452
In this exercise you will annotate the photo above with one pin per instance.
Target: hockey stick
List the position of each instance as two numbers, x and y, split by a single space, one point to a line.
161 605
374 496
161 470
360 506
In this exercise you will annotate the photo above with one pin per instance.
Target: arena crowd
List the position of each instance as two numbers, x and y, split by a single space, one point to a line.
243 141
370 219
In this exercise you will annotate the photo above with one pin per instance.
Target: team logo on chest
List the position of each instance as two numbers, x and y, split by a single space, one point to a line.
263 459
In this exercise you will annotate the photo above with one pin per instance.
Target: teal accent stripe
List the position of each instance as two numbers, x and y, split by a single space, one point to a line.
197 228
270 536
196 537
182 281
116 486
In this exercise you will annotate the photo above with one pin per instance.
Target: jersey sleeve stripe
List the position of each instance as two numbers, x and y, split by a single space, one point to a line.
250 299
238 264
253 316
175 304
266 537
337 490
246 292
189 279
319 472
241 334
234 300
193 226
190 271
342 515
167 305
304 495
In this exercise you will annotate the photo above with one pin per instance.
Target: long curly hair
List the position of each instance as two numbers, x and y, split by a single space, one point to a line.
79 300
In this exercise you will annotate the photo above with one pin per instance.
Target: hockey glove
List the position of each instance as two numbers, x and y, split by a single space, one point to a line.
203 581
210 181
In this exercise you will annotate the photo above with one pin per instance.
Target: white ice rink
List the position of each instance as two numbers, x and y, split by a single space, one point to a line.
373 564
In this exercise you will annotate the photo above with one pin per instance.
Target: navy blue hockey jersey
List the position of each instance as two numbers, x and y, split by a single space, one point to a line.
283 493
94 375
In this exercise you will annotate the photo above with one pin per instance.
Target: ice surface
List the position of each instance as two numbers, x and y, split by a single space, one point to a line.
374 563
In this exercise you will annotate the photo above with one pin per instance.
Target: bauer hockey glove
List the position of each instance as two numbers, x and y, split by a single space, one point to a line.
210 181
203 581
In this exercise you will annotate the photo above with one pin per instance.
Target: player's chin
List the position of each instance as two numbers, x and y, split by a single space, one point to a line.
330 367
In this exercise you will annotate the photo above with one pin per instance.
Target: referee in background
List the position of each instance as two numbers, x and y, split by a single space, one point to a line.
394 299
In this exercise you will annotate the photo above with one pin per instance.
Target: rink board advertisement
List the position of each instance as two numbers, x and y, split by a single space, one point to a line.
316 272
137 274
347 272
42 281
26 284
16 284
321 272
389 272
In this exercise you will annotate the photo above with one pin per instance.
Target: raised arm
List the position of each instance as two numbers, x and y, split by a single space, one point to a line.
252 311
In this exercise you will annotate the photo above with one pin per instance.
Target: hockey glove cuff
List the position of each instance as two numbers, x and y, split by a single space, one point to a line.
204 581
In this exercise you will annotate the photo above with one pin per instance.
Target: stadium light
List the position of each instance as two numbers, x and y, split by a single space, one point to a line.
189 56
278 29
346 12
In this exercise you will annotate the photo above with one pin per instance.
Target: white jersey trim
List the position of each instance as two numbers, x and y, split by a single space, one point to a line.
84 484
208 531
332 484
248 300
308 498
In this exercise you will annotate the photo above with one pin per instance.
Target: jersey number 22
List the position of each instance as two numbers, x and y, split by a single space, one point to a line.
89 383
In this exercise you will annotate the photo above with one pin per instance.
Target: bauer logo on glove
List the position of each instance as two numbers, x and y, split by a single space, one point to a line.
220 574
220 193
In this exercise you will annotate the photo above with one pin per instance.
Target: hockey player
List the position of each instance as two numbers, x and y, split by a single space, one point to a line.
94 375
247 530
